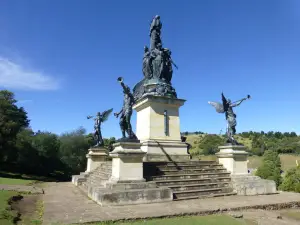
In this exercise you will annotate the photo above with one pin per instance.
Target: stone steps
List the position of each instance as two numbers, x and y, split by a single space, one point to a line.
183 176
189 171
205 196
188 187
200 192
189 166
192 181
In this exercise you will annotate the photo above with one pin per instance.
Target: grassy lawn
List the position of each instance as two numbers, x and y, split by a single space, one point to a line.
6 216
11 181
193 220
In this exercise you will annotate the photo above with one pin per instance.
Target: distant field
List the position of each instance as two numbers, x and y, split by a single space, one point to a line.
287 161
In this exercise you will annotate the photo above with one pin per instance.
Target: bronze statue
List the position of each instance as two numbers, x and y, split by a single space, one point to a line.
99 118
155 30
126 113
226 107
157 67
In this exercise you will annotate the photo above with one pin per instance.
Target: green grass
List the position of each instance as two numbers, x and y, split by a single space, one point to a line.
6 215
12 181
193 220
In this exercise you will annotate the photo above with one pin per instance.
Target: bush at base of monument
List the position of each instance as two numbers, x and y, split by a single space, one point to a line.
270 168
291 180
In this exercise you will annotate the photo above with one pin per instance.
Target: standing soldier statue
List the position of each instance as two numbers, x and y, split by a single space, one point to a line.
126 112
229 114
99 118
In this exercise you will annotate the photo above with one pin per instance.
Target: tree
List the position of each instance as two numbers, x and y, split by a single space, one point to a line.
270 168
73 149
12 120
291 181
209 144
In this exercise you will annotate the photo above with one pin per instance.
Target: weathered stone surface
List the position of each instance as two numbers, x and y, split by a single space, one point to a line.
233 158
252 185
95 157
78 179
133 196
70 205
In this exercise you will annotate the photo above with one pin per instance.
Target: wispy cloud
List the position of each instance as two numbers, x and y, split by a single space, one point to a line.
13 75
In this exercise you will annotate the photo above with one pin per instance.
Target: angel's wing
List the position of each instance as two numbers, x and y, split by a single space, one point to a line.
218 106
106 114
225 102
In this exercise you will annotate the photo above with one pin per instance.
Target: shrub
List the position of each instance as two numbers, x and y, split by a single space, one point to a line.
270 168
291 180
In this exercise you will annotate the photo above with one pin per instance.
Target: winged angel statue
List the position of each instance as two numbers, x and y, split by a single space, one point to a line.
226 107
99 119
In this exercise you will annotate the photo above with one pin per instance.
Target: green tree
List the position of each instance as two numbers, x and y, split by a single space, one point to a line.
291 181
12 120
209 144
270 168
73 149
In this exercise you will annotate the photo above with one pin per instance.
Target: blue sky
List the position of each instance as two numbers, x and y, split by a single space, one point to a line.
62 58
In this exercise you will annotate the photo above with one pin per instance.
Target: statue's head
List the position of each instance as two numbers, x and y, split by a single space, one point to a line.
146 49
228 101
157 17
98 114
159 46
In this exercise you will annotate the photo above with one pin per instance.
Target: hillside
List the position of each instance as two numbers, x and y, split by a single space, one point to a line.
287 160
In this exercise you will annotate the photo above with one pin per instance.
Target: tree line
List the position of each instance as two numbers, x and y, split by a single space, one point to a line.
40 153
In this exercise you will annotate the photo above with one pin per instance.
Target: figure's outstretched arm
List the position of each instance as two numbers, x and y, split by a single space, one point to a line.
237 103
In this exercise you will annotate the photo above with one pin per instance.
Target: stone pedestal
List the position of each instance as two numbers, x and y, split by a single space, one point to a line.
234 159
158 128
127 162
95 156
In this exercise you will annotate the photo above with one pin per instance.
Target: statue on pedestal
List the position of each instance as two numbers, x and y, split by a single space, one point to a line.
99 118
226 107
126 113
157 67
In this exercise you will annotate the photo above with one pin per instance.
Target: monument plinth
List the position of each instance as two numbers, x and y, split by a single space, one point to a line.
95 157
233 158
158 128
127 162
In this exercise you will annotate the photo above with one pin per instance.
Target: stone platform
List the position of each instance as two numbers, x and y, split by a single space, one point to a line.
59 197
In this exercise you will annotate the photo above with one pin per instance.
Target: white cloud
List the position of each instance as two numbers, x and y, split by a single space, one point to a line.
13 75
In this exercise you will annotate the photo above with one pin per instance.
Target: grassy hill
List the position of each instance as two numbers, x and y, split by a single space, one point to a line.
287 160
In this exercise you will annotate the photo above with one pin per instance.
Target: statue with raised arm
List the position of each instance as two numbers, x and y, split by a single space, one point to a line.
99 119
227 107
125 113
155 31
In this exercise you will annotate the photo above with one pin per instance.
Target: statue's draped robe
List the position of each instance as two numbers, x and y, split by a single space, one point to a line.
155 33
147 67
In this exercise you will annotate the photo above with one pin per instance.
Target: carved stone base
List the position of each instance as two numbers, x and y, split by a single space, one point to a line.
234 159
95 156
162 151
127 162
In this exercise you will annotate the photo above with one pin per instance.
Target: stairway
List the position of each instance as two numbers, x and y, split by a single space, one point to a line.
99 176
191 179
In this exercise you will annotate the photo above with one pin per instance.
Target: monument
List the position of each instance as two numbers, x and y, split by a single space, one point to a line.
153 164
233 155
156 103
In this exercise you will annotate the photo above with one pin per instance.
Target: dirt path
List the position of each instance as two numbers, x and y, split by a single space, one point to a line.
65 203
